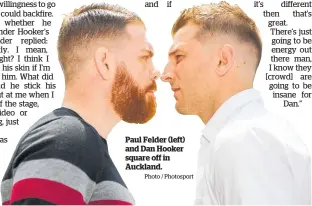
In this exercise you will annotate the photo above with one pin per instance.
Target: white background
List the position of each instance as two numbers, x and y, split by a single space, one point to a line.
166 121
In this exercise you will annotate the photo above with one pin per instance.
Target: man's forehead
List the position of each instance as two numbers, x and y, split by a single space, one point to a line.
184 36
137 35
186 33
136 30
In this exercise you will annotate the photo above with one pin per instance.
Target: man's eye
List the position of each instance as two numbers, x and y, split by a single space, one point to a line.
145 58
178 58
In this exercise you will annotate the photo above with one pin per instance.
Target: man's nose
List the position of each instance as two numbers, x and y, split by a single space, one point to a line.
167 75
155 74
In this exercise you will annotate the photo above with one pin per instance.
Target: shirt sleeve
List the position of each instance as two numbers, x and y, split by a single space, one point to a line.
253 169
57 166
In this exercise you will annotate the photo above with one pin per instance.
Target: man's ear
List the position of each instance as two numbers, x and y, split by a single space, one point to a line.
104 62
226 59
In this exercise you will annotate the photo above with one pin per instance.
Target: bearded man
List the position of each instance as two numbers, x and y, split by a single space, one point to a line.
109 76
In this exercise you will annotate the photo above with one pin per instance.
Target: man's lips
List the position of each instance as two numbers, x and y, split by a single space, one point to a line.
175 89
151 88
151 91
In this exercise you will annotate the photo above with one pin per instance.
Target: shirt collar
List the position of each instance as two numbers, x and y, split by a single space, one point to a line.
227 109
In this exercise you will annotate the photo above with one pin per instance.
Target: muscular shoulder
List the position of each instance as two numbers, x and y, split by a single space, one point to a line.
61 136
63 130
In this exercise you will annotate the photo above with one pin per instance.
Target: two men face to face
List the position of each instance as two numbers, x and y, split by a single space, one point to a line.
186 71
213 45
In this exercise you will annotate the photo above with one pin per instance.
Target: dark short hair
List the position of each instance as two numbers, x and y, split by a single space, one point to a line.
95 21
221 18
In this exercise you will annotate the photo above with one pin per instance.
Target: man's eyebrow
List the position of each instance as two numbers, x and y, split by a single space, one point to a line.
149 49
176 48
150 52
174 51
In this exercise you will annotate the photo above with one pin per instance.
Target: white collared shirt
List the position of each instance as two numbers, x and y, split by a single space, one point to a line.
250 156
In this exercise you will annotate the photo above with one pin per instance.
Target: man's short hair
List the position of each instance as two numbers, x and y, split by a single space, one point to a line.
221 18
95 21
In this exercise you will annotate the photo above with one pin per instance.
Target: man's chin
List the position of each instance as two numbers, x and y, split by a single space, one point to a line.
140 120
142 117
181 110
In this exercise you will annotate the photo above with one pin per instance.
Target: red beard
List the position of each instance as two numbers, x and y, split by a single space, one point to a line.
130 101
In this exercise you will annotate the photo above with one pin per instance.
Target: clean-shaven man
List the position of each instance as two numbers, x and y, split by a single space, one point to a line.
247 155
63 158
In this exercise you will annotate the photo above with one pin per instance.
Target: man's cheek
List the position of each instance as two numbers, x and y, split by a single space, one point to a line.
190 78
180 72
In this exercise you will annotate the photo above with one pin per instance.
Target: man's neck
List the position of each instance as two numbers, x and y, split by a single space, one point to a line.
96 113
